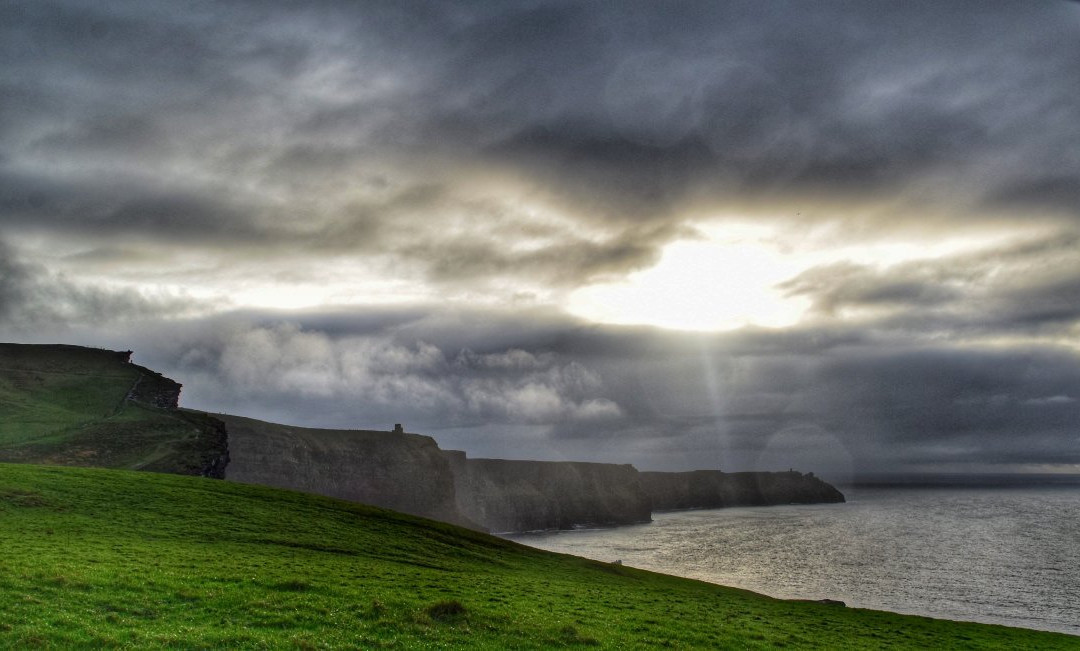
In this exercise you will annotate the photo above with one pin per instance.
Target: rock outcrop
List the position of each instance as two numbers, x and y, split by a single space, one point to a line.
506 495
155 390
710 489
403 472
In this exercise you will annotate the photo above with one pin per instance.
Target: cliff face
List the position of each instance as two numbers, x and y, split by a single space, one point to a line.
403 472
204 452
711 489
504 495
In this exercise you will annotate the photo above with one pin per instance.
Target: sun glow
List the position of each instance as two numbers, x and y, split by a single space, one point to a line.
714 284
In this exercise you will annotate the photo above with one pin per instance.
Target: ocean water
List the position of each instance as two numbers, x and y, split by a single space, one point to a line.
996 555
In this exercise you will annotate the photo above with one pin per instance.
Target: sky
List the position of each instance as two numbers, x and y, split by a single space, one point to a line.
842 237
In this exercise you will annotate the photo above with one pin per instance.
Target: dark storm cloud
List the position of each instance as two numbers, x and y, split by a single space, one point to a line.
1015 288
847 284
837 97
14 278
33 300
376 377
883 407
571 262
1052 302
1060 193
956 406
246 121
132 208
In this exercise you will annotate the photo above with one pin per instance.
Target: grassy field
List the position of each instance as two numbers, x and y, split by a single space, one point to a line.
107 558
69 405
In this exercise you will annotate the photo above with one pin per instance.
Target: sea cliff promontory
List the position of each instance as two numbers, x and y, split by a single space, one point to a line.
713 489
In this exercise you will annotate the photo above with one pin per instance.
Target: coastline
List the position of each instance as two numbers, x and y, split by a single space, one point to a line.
947 553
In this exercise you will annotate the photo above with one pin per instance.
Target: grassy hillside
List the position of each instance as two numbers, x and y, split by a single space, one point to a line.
110 558
69 405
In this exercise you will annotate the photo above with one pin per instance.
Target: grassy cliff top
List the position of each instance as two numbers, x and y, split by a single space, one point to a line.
70 405
104 558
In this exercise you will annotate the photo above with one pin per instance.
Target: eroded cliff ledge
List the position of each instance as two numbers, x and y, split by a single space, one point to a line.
508 495
711 489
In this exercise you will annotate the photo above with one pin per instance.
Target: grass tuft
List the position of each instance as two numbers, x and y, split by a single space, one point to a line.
294 585
445 610
570 635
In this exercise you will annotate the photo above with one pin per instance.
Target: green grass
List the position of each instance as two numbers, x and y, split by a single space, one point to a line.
107 558
46 390
67 405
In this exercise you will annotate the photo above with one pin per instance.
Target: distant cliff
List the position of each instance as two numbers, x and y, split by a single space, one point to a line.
403 472
505 495
711 489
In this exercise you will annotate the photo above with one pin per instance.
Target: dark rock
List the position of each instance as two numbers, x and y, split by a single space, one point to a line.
155 390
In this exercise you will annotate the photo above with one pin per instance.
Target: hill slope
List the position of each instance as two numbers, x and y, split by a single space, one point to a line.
106 558
69 405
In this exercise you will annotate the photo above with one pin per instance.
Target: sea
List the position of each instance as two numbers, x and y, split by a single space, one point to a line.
1001 555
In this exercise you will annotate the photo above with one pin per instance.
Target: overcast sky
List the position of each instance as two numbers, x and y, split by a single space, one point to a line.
835 236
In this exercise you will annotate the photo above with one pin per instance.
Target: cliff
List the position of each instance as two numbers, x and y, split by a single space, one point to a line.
77 406
715 489
68 405
403 472
506 495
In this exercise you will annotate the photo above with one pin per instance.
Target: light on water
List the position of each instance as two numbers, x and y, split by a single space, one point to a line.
1004 556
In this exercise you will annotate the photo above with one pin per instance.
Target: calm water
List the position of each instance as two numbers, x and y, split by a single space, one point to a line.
1004 556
